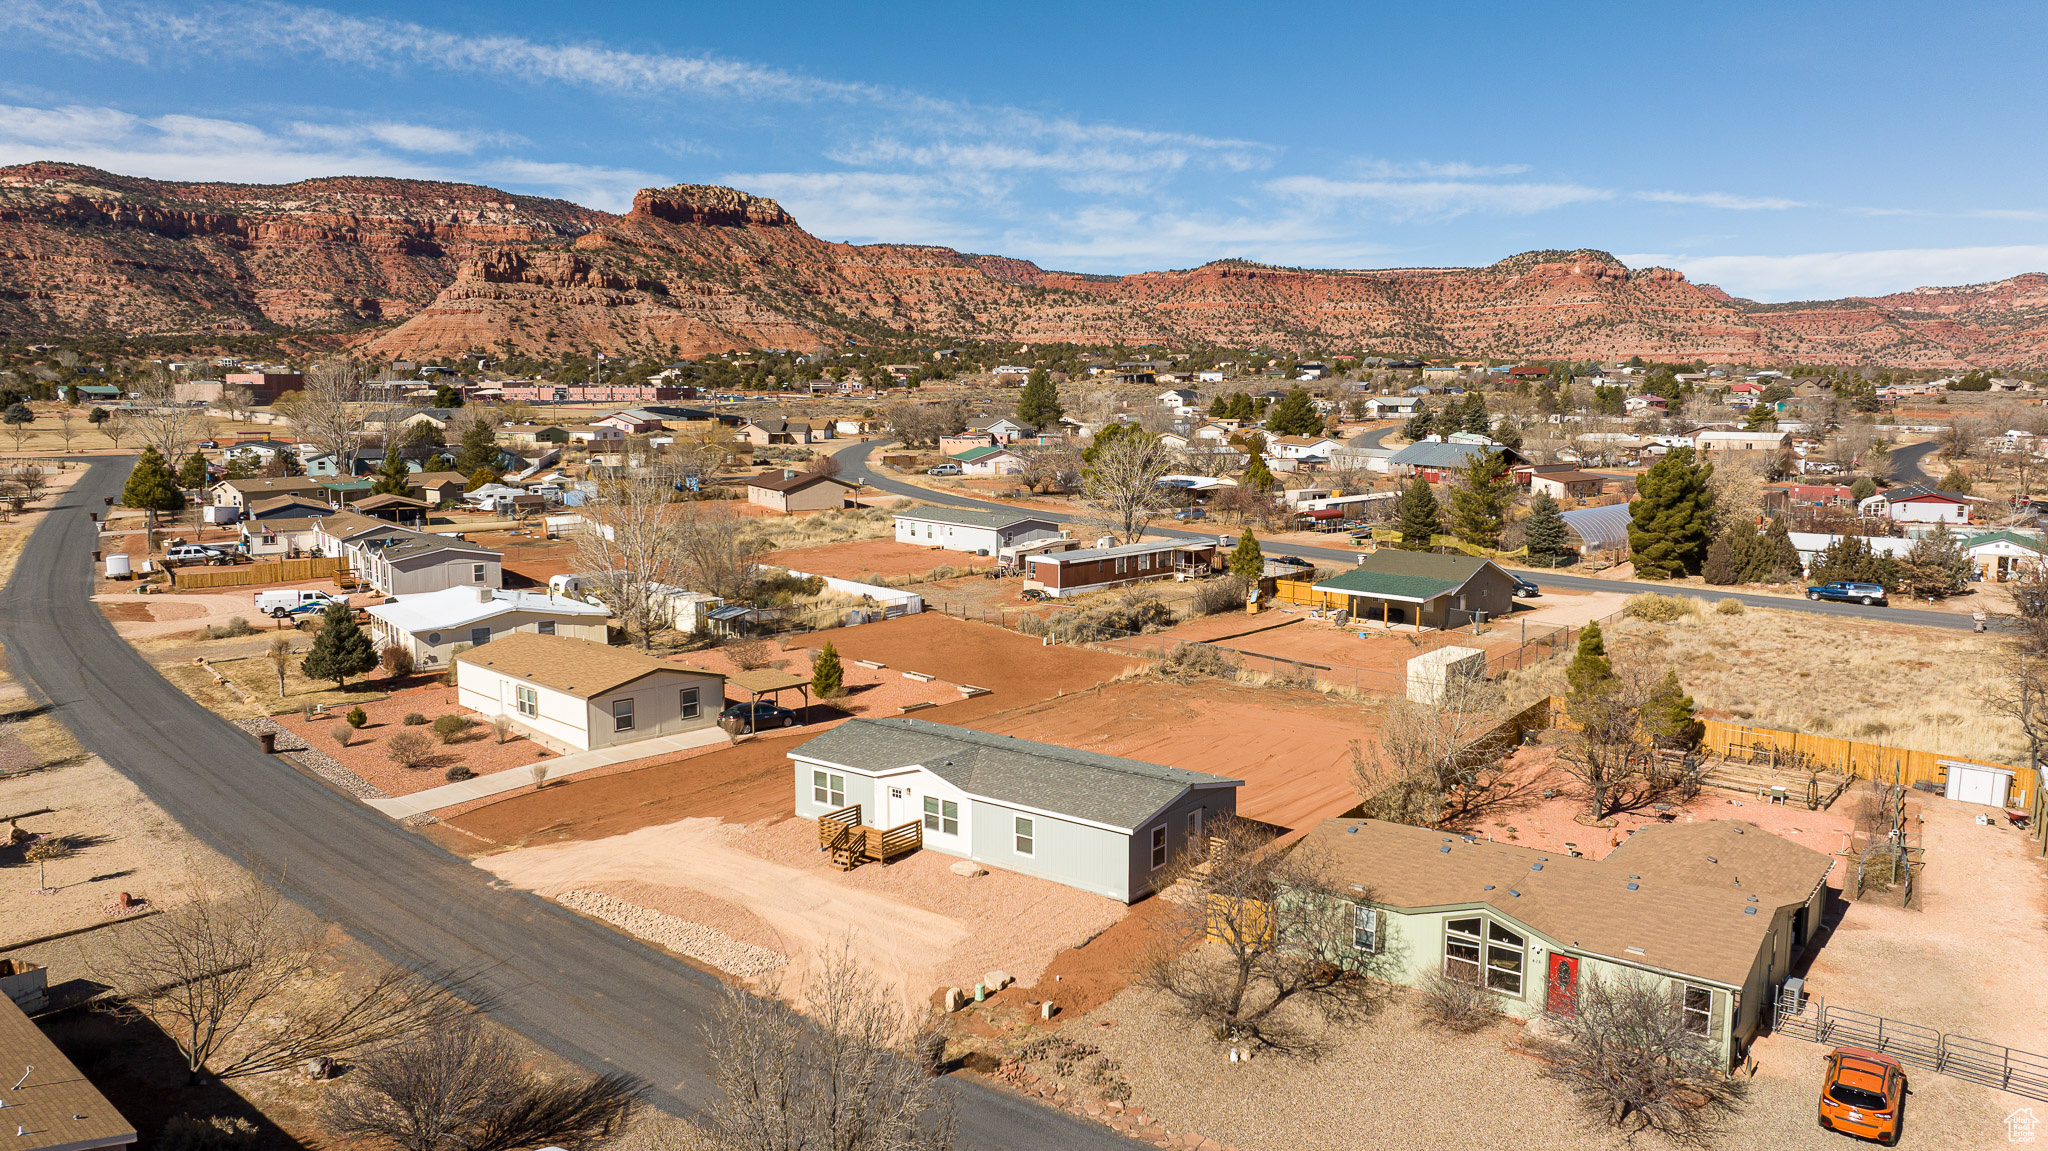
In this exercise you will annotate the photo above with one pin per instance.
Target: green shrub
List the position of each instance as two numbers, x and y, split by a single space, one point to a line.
415 719
450 726
236 626
458 773
1653 607
1730 606
357 717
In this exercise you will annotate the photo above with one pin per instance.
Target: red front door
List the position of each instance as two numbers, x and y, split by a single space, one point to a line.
1564 985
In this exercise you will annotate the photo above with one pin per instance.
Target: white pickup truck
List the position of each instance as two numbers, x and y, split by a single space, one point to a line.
293 600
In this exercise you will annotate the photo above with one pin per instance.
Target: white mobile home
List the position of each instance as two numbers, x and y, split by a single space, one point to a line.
578 695
972 530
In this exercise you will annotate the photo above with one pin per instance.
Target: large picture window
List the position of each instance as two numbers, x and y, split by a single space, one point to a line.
828 789
941 815
1483 953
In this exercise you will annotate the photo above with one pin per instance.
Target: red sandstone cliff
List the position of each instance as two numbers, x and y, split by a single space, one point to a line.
421 268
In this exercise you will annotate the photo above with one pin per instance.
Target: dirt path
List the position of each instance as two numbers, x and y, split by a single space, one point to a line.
155 616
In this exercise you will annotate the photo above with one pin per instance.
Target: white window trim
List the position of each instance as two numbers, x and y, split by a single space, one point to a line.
1157 843
526 701
828 789
628 719
1365 921
1024 836
691 701
1687 1014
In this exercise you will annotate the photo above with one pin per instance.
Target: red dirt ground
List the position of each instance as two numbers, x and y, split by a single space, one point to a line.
1290 746
477 749
862 559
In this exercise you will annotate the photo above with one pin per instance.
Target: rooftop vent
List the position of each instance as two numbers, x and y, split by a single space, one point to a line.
1513 892
1351 830
1535 867
1635 950
1358 887
1711 859
1749 911
1635 877
1752 899
1488 887
1635 887
1446 849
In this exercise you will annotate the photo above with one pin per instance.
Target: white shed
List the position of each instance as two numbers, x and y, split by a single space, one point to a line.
1430 673
1978 782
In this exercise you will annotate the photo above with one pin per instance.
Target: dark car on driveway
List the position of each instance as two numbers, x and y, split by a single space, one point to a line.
757 715
1525 588
1847 591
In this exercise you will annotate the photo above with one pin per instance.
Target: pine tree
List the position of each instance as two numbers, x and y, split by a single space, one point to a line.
1420 425
1936 565
1762 418
1475 418
340 650
192 474
151 485
1590 673
1241 406
392 477
1669 716
1257 476
1862 489
1420 521
1777 557
479 449
482 476
827 676
1480 502
1247 562
1545 531
1670 519
1957 480
1039 403
1724 562
1219 408
1294 415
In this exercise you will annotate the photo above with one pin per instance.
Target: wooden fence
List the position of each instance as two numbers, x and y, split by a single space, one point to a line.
1305 593
271 571
1864 760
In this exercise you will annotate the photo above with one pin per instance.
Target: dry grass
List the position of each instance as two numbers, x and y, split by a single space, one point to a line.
259 678
819 528
1910 687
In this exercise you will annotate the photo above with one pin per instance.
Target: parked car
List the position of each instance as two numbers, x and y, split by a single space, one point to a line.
1192 514
195 554
757 715
1848 591
291 601
209 445
943 470
1863 1095
1526 589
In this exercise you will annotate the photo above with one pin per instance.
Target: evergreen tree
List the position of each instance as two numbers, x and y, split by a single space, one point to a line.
1257 476
447 397
392 477
1240 406
1420 521
1039 403
1590 673
151 485
1671 517
1762 418
1475 418
1936 565
1247 562
441 463
482 476
1728 556
1420 425
827 676
192 474
1957 480
1219 408
1862 489
1480 502
18 415
284 463
1670 716
1545 531
97 416
1294 415
479 449
1777 557
340 650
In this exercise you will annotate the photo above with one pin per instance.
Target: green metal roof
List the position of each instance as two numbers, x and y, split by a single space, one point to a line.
2031 543
1403 575
973 454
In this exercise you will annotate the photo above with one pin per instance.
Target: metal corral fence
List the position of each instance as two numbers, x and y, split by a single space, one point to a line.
1810 1017
261 572
1898 765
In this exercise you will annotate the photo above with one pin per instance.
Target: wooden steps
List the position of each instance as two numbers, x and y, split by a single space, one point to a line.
852 844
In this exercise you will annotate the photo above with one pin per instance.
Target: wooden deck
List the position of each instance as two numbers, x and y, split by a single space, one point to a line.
852 844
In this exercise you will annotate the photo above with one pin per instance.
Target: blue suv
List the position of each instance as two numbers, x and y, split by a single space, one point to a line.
1843 591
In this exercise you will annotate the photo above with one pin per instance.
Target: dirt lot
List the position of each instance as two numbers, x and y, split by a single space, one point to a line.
1288 745
866 559
917 925
368 751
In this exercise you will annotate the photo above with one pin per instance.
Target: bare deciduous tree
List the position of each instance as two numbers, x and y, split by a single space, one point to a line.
158 418
1261 945
281 656
66 426
841 1076
330 410
1629 1055
1122 488
222 977
462 1088
722 550
236 400
1054 469
923 423
632 549
1439 763
1607 747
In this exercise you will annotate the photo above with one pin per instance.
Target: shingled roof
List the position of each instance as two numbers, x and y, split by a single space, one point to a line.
1088 786
972 517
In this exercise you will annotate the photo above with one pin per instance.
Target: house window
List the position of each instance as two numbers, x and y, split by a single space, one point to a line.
527 701
941 815
476 572
1698 1007
622 715
545 627
1504 960
1365 928
828 789
689 701
1158 848
1195 826
1462 949
480 635
1144 563
1025 838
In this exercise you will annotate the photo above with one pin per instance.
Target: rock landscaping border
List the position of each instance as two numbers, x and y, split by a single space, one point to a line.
679 935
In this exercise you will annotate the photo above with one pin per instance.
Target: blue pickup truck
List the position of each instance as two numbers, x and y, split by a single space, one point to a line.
1846 591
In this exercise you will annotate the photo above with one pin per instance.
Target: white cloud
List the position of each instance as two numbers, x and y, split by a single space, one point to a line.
871 207
1438 198
404 137
1831 275
1723 200
1420 169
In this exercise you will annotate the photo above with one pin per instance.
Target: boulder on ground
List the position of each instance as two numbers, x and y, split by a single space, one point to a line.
969 868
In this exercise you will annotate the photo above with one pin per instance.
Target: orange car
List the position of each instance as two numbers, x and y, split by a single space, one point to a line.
1864 1095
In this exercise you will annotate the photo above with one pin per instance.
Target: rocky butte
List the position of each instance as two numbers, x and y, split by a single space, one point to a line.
418 268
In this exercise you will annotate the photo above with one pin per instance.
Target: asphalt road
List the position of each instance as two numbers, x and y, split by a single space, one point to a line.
582 990
1907 460
853 461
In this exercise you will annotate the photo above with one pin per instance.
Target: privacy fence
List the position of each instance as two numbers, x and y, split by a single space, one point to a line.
262 572
1899 765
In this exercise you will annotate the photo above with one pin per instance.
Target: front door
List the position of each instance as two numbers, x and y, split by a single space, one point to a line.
899 807
1564 985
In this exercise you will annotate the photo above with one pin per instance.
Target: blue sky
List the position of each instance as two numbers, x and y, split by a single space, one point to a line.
1781 151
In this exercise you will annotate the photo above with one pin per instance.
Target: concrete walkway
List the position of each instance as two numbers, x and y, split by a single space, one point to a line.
514 778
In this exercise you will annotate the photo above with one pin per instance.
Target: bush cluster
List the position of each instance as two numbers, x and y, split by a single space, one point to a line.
1653 607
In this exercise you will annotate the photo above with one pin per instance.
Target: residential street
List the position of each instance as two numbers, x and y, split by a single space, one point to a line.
584 991
853 461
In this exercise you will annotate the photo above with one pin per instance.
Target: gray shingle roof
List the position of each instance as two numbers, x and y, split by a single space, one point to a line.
971 517
1087 785
1436 455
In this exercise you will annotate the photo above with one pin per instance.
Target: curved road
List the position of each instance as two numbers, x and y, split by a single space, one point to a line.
588 993
853 462
1906 461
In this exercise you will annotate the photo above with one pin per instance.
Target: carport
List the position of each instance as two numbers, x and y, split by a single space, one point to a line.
771 682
